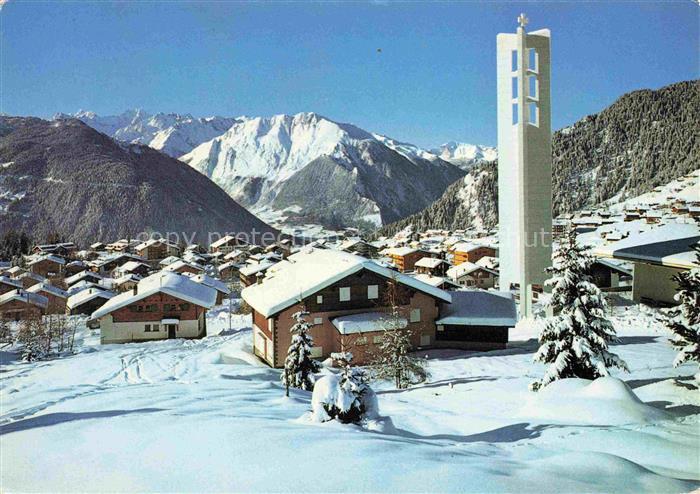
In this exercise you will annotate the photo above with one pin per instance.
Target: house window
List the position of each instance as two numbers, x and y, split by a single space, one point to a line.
133 308
345 294
424 339
184 307
319 299
415 315
139 308
373 292
361 340
148 328
318 320
316 352
156 327
440 327
377 340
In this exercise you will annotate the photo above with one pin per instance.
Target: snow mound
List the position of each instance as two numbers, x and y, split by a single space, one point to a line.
605 401
330 392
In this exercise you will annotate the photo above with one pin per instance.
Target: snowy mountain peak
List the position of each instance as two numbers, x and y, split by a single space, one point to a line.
461 153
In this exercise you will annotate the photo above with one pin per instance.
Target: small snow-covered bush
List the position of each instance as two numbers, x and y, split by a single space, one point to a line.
345 397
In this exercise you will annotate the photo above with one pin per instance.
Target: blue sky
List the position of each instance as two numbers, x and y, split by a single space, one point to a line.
433 81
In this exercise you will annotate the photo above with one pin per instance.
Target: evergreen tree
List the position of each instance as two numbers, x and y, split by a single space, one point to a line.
684 320
32 337
575 341
5 330
392 358
299 367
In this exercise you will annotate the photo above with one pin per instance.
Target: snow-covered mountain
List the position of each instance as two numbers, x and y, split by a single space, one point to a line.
465 155
329 172
171 133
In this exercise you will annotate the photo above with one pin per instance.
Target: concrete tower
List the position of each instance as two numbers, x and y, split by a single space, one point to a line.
524 160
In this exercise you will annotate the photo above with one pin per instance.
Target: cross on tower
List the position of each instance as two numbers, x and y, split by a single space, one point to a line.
522 20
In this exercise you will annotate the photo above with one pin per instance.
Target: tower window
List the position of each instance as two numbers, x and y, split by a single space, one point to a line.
514 90
532 59
533 114
532 89
515 113
514 60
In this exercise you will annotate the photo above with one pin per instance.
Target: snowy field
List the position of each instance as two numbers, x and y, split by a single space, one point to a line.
208 416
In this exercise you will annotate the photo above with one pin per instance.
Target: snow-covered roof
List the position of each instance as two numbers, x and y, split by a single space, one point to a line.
668 245
79 276
131 266
26 297
255 268
433 280
126 278
14 270
180 263
172 284
222 241
310 270
366 322
466 268
80 286
466 247
211 282
227 265
86 295
155 241
49 288
479 308
399 251
47 257
10 281
428 262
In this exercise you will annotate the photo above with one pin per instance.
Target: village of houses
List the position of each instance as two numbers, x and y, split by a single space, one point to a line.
132 291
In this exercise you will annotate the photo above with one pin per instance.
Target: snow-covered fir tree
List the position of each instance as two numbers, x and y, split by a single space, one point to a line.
684 320
392 357
5 331
347 396
299 367
574 342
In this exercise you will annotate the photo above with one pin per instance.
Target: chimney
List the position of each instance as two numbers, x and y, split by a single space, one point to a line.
136 289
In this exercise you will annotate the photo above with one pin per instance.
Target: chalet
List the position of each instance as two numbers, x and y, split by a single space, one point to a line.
132 267
181 266
156 249
30 279
226 244
88 301
235 256
74 267
431 265
657 256
161 306
222 291
476 320
97 246
80 286
56 297
653 216
9 284
21 304
251 273
106 265
126 282
360 247
194 258
560 226
65 249
47 265
83 276
196 248
346 297
631 215
14 271
489 262
405 258
122 245
694 211
469 252
473 275
229 271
